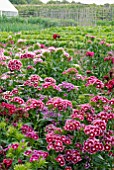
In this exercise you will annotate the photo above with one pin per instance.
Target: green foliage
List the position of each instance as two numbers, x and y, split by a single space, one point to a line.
16 24
54 2
18 2
26 166
40 164
14 133
36 2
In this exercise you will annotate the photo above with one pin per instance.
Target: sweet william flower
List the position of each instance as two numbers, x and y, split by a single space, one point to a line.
14 65
87 165
90 53
42 46
110 85
60 159
32 135
34 158
68 168
30 67
20 161
107 147
7 162
55 36
27 152
27 55
15 146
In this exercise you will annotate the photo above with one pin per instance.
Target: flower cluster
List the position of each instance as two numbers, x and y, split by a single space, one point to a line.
92 145
94 81
27 55
99 99
33 81
9 107
14 146
110 85
18 100
14 65
68 86
71 156
15 91
50 82
7 162
57 142
70 71
105 116
92 131
35 155
71 125
33 103
67 56
109 58
59 103
85 110
100 123
29 132
7 95
77 114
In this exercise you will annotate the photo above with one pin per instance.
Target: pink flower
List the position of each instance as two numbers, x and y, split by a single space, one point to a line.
34 158
60 159
59 103
7 162
71 125
33 103
14 65
92 80
73 156
90 53
70 71
29 67
92 146
42 46
28 152
15 146
15 91
32 135
107 147
68 168
55 36
50 79
27 55
110 85
18 100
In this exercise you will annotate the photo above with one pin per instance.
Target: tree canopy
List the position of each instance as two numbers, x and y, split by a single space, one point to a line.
38 2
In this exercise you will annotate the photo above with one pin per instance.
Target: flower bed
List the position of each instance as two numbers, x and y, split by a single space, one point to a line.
56 105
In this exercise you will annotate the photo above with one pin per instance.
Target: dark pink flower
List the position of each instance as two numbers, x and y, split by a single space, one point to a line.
15 146
90 53
14 65
7 162
55 36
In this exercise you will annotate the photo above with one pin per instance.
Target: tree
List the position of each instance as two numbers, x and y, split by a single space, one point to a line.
65 2
73 2
28 1
53 2
18 2
36 2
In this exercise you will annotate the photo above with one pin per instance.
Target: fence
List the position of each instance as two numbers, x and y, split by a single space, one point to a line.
83 16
